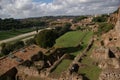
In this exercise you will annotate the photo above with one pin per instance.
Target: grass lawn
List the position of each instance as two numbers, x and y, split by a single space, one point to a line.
72 39
9 34
91 71
63 66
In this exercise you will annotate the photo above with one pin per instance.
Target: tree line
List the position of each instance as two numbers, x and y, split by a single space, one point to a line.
9 24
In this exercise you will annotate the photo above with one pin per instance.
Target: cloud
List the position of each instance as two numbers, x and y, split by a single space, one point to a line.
29 8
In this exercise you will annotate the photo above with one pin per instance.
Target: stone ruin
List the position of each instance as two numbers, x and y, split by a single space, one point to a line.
116 51
40 64
106 57
111 39
31 71
100 54
109 63
73 76
110 74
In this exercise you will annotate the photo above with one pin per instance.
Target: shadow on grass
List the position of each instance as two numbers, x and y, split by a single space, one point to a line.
73 49
84 77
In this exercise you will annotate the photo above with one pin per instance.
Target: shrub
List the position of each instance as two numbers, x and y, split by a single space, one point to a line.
100 19
46 38
30 41
7 48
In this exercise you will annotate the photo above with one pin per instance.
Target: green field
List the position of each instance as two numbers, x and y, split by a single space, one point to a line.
70 40
91 71
73 38
9 34
63 66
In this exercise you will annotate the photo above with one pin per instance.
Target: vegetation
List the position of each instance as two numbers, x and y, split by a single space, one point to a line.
102 18
82 28
77 19
7 48
13 24
13 33
70 40
104 27
46 38
62 67
73 38
91 71
1 54
30 41
64 29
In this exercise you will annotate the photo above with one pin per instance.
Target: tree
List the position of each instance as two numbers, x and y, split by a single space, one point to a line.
46 38
30 41
3 45
18 44
102 18
65 29
37 29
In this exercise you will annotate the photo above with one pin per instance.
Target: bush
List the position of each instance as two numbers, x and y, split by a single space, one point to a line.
65 29
30 41
100 19
7 48
46 38
18 45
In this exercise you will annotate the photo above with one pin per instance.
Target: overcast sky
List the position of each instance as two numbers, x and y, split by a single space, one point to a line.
37 8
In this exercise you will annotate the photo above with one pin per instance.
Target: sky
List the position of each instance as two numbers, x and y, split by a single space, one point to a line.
46 1
37 8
